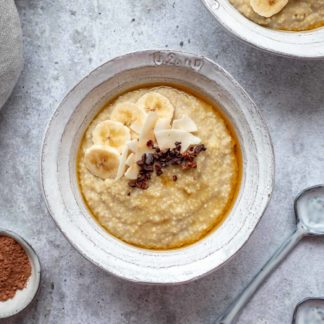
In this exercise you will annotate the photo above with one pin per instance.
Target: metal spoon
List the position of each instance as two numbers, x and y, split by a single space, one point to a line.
309 311
309 210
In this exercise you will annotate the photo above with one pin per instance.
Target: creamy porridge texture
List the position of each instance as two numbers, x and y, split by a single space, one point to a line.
291 15
179 206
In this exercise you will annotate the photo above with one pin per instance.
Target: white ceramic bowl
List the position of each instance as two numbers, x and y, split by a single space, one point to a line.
24 296
308 44
58 166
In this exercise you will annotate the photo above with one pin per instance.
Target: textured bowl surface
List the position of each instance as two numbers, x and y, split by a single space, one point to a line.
24 296
58 166
308 44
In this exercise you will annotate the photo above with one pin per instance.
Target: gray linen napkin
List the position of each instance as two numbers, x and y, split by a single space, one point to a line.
11 54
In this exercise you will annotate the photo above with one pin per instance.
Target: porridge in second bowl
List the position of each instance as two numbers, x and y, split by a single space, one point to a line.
159 168
290 15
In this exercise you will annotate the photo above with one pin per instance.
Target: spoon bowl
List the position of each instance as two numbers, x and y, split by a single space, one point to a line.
310 310
309 210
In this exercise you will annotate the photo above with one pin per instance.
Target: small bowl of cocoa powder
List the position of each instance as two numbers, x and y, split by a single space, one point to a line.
19 274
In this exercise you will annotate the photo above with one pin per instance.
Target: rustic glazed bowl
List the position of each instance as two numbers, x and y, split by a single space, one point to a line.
307 44
66 128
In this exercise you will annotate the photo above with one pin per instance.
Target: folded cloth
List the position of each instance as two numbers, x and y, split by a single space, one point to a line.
11 54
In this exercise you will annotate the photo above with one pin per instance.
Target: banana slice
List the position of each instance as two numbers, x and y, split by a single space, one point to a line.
268 8
130 115
161 124
185 123
153 101
122 163
102 161
167 138
111 133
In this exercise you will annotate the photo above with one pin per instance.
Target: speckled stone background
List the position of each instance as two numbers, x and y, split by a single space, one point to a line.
65 40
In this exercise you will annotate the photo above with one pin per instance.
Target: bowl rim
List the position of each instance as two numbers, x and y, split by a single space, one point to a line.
283 43
36 266
267 139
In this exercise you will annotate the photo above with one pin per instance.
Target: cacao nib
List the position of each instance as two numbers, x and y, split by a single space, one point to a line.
150 144
161 159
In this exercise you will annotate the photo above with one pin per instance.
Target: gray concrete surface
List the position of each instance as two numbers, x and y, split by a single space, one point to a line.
64 40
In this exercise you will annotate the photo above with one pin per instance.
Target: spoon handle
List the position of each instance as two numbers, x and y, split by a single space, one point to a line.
233 310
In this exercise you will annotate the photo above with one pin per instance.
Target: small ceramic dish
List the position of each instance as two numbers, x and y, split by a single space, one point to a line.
24 296
307 44
80 106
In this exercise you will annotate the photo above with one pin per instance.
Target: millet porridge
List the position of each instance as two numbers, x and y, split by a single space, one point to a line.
162 177
290 15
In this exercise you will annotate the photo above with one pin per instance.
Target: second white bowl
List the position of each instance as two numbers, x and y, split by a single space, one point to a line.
307 45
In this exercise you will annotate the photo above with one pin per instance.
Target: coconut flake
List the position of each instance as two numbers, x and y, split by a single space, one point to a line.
167 138
147 132
162 124
131 159
185 123
132 145
132 172
122 163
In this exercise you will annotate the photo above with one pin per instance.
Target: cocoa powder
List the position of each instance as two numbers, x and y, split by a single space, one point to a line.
15 268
